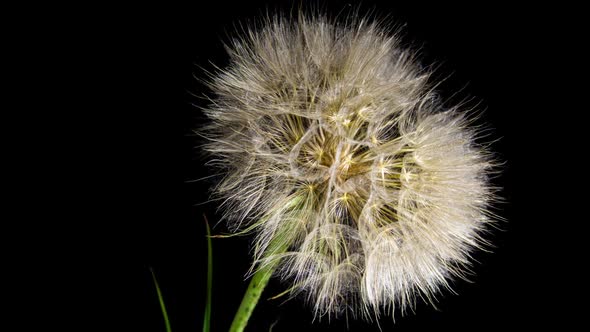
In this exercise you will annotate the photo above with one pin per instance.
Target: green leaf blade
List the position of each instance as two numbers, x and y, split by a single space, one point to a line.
162 304
207 315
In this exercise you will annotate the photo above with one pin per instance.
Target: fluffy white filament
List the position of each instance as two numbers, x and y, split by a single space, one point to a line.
335 151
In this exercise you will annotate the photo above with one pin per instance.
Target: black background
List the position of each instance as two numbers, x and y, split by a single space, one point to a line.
146 210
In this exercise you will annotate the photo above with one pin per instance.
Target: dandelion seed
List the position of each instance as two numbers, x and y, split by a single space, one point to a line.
359 184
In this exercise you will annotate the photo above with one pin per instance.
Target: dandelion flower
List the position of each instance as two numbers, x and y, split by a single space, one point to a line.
362 188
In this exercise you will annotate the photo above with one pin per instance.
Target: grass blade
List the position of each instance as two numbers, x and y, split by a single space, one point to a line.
161 300
207 316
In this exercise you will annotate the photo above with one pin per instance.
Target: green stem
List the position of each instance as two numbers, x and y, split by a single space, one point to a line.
255 288
280 243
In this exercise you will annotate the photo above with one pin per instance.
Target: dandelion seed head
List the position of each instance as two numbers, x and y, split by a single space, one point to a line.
359 183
